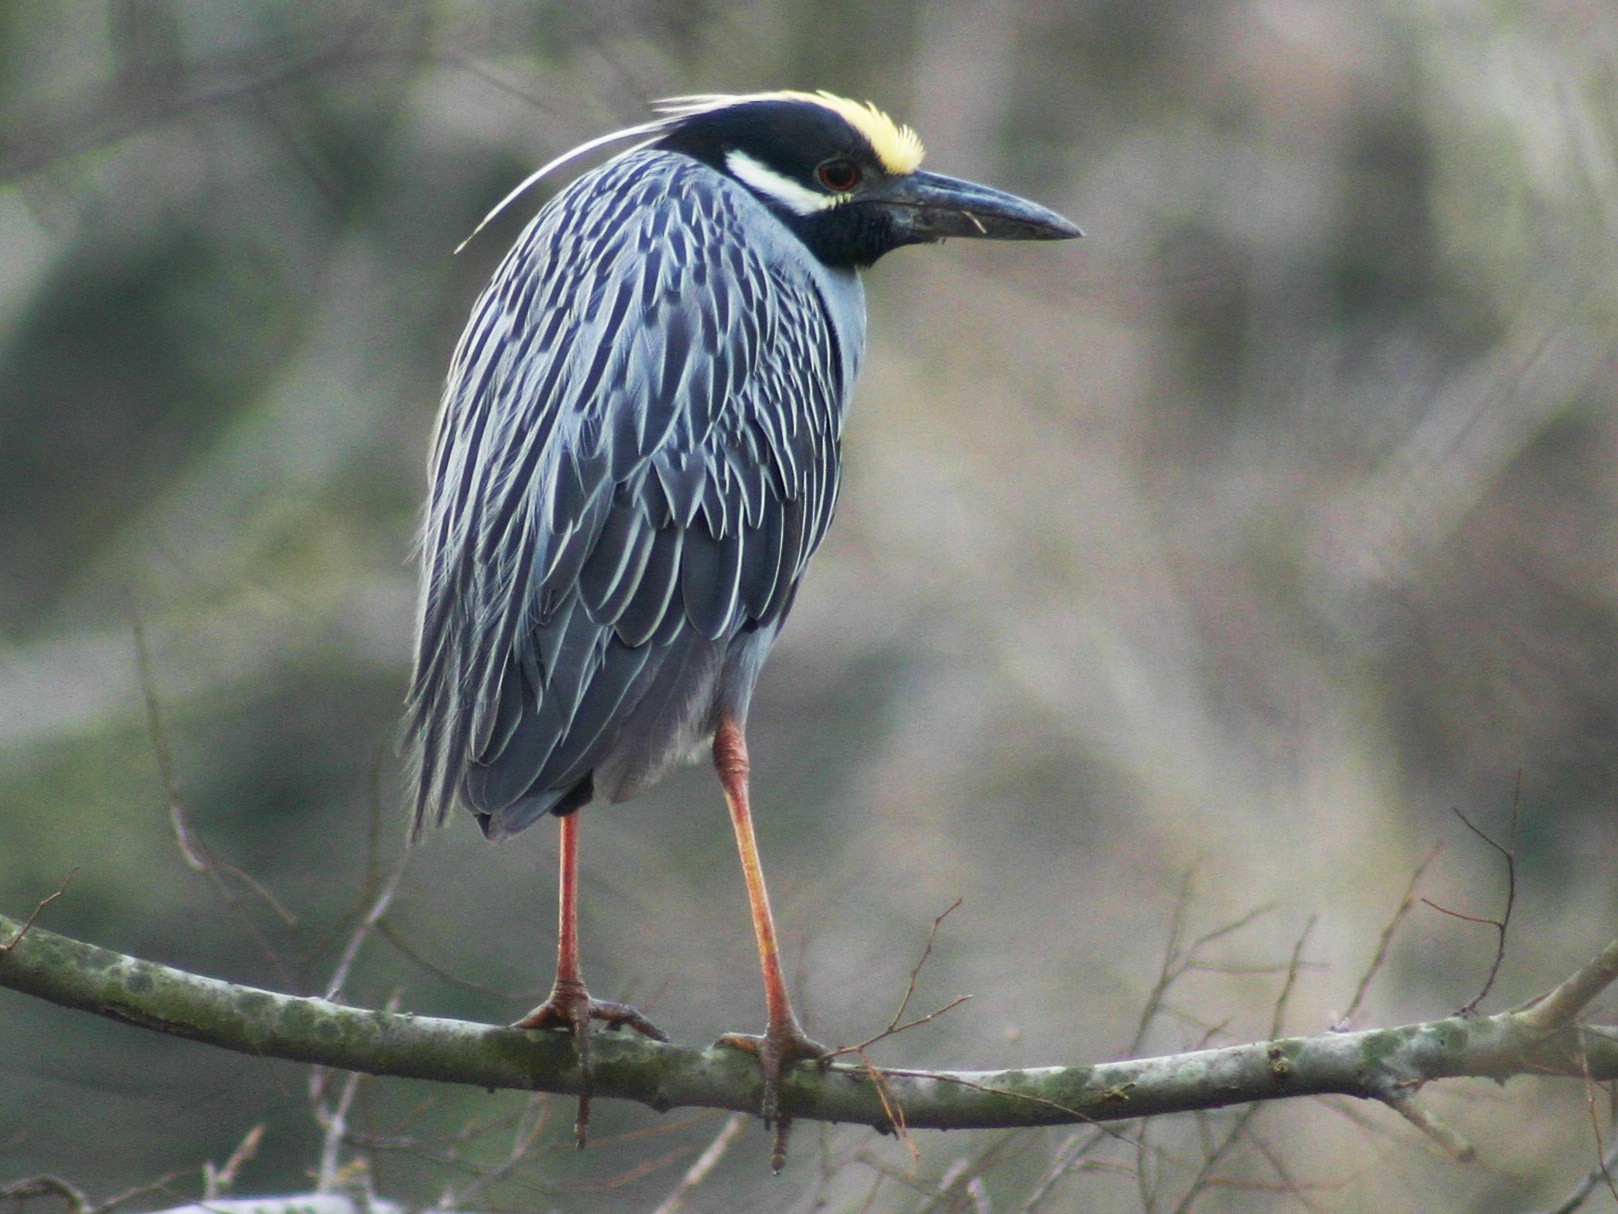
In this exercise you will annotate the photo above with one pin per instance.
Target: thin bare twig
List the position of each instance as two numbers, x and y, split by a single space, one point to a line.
38 910
391 934
1502 924
1386 940
333 1122
965 1177
1402 1102
1179 961
216 1182
368 923
1289 1185
1601 1173
192 850
1553 1011
1068 1156
1167 973
1294 964
1401 1098
1227 929
891 1108
971 1085
629 1175
29 1187
703 1165
163 1184
915 970
1216 1154
1591 1089
530 1125
894 1030
895 1026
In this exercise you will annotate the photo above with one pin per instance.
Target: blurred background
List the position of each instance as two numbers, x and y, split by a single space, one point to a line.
1203 567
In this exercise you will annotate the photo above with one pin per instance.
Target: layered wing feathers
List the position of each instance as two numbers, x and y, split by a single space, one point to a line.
638 452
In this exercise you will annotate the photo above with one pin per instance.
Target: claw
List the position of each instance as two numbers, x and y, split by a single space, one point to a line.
776 1049
570 1007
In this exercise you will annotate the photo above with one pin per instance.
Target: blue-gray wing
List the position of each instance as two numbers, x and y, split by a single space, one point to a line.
637 456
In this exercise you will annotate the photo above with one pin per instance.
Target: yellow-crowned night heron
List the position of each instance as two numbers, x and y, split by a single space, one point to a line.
638 455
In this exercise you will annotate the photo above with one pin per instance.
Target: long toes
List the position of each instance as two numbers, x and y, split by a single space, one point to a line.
775 1050
557 1012
622 1016
744 1042
770 1094
573 1010
782 1049
569 1012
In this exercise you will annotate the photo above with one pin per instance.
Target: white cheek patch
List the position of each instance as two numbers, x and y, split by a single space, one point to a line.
799 199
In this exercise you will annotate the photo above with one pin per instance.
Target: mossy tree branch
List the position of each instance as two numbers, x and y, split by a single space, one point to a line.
1383 1064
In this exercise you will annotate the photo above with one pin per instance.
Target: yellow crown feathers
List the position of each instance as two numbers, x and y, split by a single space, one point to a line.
897 147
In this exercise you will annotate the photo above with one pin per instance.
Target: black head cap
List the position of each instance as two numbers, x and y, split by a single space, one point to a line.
844 176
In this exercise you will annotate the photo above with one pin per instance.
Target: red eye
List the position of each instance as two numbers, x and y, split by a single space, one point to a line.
839 176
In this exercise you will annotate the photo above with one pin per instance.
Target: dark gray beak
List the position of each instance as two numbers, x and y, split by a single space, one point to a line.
928 206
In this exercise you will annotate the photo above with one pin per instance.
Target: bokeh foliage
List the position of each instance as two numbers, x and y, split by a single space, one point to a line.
1246 538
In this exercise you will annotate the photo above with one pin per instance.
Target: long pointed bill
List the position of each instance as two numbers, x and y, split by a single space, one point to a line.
928 206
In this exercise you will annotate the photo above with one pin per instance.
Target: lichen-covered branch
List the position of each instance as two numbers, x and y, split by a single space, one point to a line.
1383 1064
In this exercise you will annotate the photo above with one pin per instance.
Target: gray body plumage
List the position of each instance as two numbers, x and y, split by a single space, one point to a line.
638 454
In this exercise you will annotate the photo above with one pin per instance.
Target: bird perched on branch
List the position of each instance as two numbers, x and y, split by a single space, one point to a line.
637 456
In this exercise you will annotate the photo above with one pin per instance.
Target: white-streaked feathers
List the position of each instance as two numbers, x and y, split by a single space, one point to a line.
636 458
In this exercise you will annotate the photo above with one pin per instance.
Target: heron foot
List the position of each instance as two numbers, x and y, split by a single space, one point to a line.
776 1048
570 1007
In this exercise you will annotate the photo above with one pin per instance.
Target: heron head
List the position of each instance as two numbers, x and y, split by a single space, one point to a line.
844 176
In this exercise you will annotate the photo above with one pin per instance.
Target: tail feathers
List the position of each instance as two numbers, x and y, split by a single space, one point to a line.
524 812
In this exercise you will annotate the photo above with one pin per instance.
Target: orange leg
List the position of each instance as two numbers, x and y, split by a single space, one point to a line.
569 1005
783 1040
